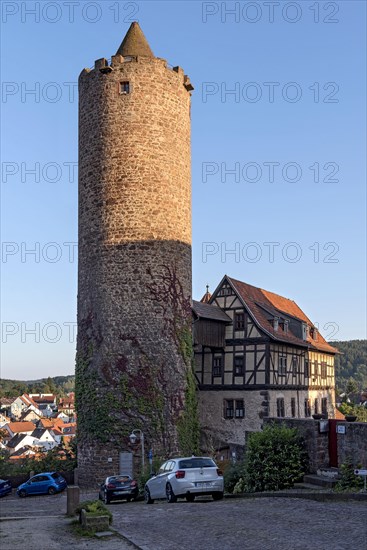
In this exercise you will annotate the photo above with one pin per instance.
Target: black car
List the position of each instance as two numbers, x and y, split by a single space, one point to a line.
122 487
5 487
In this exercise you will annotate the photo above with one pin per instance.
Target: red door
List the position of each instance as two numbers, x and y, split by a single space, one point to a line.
333 442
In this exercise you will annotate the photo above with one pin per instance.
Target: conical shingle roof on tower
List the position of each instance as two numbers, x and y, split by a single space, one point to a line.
206 298
135 43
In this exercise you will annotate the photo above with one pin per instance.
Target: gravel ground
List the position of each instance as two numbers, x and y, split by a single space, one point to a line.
52 533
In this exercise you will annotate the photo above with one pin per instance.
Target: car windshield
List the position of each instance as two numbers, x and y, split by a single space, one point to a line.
196 463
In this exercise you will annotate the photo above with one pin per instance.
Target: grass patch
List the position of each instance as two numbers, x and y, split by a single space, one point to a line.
94 508
79 531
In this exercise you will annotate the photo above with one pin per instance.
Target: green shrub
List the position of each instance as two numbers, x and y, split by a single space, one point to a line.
143 478
48 462
232 475
145 474
348 481
275 459
94 507
355 410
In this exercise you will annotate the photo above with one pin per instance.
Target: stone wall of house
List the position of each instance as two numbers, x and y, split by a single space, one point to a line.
217 431
352 446
134 278
317 444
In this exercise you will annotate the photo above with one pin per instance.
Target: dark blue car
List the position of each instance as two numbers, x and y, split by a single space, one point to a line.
42 484
5 487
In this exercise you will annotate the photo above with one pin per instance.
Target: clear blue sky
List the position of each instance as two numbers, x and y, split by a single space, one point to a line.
298 77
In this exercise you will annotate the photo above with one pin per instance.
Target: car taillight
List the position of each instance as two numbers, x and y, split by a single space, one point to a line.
219 472
111 486
180 474
133 483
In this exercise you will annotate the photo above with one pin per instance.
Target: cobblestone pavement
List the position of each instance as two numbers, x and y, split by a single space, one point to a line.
258 523
232 524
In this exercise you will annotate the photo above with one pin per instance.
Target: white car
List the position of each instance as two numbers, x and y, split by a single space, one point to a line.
185 478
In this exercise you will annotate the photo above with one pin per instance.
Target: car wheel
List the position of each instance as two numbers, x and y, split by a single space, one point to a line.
171 497
217 496
148 499
51 490
190 498
128 499
106 500
22 493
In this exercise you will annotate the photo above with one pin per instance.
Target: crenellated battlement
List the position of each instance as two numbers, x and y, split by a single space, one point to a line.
118 62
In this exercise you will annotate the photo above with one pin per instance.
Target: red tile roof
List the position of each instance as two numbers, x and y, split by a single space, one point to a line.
27 400
262 303
6 401
46 423
20 427
339 415
42 398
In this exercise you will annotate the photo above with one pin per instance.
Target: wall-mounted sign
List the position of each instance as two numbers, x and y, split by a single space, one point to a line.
323 426
340 429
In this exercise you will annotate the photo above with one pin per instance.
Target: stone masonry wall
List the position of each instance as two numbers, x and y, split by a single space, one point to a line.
134 280
352 446
217 430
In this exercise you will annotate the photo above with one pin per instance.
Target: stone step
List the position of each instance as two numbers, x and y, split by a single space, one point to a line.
330 472
319 481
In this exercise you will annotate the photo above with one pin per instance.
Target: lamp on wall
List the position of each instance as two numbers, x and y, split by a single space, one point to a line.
133 439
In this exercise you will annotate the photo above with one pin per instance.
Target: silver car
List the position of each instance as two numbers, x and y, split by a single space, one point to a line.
185 478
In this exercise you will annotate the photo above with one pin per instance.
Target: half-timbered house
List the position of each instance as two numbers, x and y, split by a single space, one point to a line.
257 355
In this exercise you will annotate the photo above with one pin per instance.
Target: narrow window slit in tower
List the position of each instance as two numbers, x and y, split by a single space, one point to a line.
124 87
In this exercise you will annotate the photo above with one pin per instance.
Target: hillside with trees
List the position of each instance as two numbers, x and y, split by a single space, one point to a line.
58 385
351 366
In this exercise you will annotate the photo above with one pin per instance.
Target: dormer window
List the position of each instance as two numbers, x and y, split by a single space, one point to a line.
314 333
124 87
276 323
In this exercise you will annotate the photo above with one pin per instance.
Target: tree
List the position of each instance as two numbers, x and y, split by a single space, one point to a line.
49 386
351 387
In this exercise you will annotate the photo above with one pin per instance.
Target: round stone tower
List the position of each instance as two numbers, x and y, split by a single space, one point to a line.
134 277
